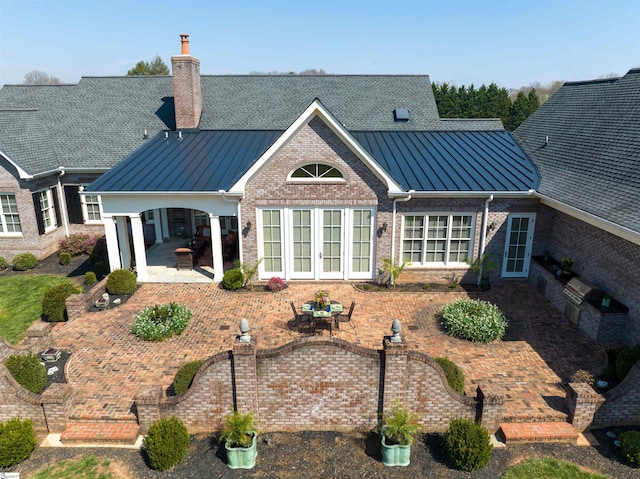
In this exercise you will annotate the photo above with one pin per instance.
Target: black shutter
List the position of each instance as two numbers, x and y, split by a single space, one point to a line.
56 206
74 206
38 207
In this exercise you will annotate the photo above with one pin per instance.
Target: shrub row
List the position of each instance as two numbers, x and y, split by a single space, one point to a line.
184 377
455 376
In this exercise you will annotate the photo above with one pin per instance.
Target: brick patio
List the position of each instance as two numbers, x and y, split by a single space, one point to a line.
540 351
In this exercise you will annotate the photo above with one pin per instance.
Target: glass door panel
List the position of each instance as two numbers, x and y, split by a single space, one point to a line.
517 249
331 244
301 242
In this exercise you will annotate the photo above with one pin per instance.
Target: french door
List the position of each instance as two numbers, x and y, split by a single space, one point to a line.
316 243
517 248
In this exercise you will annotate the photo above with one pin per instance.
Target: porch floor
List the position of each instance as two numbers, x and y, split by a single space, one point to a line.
162 262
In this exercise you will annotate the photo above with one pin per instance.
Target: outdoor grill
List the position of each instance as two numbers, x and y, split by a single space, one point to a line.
575 292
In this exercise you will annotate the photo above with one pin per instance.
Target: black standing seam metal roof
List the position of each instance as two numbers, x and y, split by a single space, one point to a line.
208 161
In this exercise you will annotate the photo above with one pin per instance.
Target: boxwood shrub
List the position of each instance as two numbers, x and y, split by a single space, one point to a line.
28 371
161 321
455 376
53 300
90 278
17 441
625 360
24 261
184 377
474 320
467 444
233 279
121 281
630 446
166 443
3 264
64 259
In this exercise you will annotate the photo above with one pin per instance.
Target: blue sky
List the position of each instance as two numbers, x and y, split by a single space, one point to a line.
512 43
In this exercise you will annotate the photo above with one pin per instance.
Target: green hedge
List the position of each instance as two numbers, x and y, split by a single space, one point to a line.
233 279
467 445
166 443
17 441
474 320
28 371
455 376
120 281
24 261
184 377
53 300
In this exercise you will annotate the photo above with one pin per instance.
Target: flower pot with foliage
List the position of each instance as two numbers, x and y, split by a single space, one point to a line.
398 430
240 440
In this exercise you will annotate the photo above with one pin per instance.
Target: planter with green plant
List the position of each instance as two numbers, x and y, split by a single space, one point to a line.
566 263
240 440
482 266
397 431
394 270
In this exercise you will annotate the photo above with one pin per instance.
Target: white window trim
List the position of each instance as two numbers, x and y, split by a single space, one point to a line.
446 263
51 209
85 211
4 233
262 274
310 179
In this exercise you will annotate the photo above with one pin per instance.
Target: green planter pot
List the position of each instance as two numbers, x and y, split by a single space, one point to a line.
242 457
395 454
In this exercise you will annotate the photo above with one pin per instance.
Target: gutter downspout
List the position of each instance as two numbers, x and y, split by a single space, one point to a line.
393 224
483 233
63 209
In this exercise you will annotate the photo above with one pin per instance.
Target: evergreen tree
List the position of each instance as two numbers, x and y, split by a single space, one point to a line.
155 67
519 111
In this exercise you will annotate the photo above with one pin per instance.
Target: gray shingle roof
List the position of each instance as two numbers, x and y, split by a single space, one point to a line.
99 121
592 159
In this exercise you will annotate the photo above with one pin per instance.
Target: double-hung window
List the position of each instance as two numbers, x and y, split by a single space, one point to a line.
437 239
9 218
91 208
47 211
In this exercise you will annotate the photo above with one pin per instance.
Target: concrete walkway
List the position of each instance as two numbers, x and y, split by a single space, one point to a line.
540 351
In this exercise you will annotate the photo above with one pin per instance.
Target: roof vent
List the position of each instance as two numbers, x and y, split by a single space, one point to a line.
401 114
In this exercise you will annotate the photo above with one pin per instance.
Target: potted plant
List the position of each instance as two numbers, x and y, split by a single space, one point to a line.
566 263
482 266
606 300
239 437
397 431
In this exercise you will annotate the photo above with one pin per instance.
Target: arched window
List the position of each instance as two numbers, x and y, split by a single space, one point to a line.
316 171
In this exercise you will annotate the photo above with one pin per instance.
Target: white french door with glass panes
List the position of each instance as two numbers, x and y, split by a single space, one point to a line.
316 243
517 248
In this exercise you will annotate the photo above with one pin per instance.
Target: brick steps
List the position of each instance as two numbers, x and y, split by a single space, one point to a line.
111 433
538 432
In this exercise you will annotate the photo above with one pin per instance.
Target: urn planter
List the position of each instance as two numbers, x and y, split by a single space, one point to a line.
395 454
242 457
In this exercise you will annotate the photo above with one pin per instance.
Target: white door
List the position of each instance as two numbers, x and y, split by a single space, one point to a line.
517 248
302 252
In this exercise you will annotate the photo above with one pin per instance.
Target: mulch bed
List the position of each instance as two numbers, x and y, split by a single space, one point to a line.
334 455
420 287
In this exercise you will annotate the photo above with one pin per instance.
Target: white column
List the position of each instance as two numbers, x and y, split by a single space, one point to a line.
165 223
112 243
123 239
216 248
158 225
138 247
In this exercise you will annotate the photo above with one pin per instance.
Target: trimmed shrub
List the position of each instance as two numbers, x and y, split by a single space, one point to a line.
233 279
467 445
455 376
166 443
184 377
121 281
78 243
275 284
625 360
65 258
28 371
99 267
53 300
24 261
161 321
90 278
3 264
630 446
17 441
474 320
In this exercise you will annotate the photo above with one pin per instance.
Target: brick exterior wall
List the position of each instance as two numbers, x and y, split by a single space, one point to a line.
604 260
621 406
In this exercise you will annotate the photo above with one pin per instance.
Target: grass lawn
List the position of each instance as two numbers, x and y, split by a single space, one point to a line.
548 468
86 468
21 303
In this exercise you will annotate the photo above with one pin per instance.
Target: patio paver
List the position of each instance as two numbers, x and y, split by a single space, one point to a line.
540 352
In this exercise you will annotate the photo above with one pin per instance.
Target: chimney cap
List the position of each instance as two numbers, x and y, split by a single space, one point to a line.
184 38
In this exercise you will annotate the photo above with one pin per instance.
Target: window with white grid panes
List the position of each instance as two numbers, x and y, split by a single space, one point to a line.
9 218
272 241
437 239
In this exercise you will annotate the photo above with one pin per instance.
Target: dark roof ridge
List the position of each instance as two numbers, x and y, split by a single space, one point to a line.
591 82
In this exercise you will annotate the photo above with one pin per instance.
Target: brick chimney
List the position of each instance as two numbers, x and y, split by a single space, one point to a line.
187 93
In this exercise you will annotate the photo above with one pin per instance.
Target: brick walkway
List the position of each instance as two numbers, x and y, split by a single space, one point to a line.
541 350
